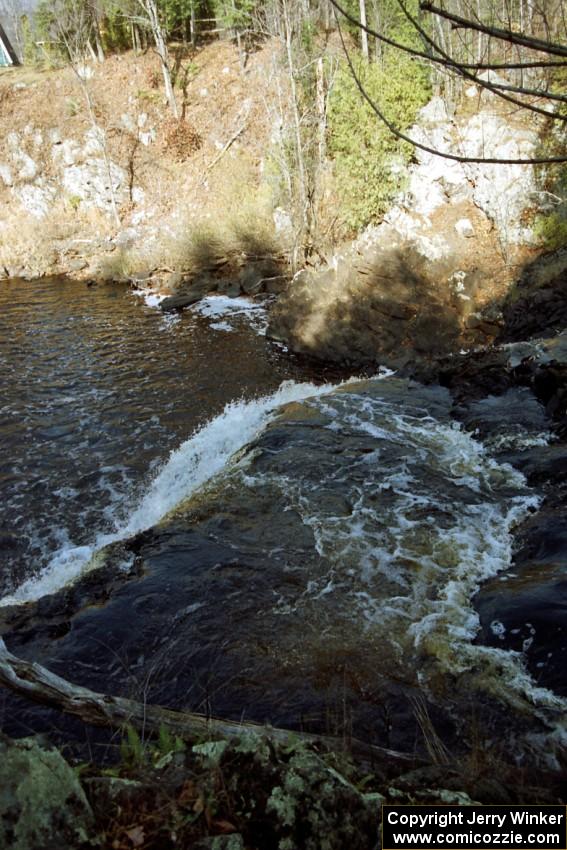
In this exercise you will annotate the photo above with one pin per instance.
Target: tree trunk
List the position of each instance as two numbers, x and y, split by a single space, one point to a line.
363 33
169 92
193 25
321 111
151 11
91 51
303 231
98 42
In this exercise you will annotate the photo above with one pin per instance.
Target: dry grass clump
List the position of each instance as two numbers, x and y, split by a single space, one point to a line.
40 246
235 225
19 243
179 139
115 266
200 245
31 243
207 243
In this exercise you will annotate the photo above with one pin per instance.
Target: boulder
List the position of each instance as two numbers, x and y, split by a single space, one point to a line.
230 287
253 276
77 265
525 609
178 302
42 804
191 293
464 228
384 307
175 282
537 304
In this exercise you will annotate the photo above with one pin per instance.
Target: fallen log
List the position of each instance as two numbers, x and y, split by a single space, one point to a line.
37 683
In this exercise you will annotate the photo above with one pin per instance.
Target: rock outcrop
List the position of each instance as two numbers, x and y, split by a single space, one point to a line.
428 279
42 168
537 305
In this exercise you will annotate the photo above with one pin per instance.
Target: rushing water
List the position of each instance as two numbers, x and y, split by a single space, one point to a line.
358 524
97 388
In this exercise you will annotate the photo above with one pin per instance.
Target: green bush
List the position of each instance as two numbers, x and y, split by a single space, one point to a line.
368 158
551 230
115 29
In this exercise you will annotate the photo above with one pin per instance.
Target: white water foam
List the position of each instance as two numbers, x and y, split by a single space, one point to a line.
431 518
196 461
152 297
220 308
520 441
223 307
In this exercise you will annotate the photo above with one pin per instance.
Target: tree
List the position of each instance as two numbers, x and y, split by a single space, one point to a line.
151 17
301 113
533 53
70 24
363 33
237 15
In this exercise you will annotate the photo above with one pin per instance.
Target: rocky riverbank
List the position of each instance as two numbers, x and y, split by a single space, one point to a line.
384 561
434 275
221 795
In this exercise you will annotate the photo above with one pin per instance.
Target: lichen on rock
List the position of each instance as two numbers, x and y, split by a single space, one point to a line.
42 804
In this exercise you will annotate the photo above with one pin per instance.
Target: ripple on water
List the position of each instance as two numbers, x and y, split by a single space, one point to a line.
92 378
426 515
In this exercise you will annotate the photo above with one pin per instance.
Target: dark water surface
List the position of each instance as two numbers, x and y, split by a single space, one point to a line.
96 389
325 578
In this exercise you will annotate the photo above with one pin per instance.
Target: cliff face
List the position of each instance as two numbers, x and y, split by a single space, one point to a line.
431 277
108 196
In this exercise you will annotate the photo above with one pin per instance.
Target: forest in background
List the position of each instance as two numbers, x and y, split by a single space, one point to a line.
354 76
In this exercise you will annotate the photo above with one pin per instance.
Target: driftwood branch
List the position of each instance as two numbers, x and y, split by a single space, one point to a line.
31 680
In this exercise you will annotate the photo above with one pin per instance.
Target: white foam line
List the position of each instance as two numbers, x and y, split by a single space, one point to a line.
196 461
213 306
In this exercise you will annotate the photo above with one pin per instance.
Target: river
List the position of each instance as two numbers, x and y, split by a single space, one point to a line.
98 388
270 541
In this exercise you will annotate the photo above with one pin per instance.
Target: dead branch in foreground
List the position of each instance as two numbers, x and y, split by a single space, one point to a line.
37 683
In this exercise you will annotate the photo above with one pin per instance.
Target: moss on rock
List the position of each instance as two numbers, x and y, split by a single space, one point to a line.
42 803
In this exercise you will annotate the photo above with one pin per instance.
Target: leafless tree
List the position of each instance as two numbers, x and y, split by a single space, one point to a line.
150 17
73 24
541 53
301 115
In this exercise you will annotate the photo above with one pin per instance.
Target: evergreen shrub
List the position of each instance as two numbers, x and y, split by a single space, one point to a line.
368 159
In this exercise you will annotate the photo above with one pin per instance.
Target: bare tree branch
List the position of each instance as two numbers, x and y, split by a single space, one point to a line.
446 61
509 35
404 137
476 66
495 88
